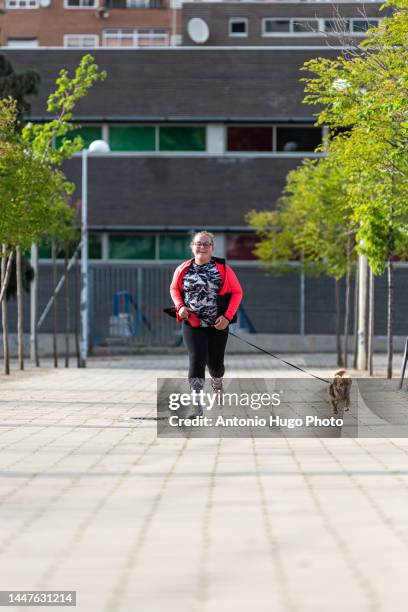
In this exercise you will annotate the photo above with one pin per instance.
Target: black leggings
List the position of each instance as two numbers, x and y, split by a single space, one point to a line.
205 346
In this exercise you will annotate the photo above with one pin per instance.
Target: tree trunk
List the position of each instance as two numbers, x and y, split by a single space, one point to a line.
77 310
66 306
362 313
390 318
34 356
5 266
338 339
20 330
347 304
355 322
371 323
8 265
54 305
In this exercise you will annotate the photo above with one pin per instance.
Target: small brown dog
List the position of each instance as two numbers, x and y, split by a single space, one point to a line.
339 390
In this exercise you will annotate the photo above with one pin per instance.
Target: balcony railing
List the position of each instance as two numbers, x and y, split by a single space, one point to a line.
141 37
136 4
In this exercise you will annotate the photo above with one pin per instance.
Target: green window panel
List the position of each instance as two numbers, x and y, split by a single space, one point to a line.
182 138
95 246
94 250
132 247
44 250
132 138
71 251
88 134
175 247
362 25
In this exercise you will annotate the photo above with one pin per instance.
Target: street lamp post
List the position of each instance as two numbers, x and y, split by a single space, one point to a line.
96 147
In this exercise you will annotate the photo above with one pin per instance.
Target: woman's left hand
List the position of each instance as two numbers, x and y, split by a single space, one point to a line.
221 323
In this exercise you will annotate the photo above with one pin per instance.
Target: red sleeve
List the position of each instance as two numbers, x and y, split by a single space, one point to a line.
175 291
236 293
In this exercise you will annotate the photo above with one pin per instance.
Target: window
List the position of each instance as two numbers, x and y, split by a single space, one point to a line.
132 247
44 250
88 134
182 138
25 43
250 139
273 139
292 139
149 4
22 4
241 246
129 37
152 37
360 26
128 138
238 26
174 247
124 37
84 4
81 40
137 3
305 26
94 248
337 26
275 26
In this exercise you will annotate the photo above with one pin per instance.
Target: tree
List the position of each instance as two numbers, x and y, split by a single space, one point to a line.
366 93
17 86
62 234
61 104
32 186
313 218
28 190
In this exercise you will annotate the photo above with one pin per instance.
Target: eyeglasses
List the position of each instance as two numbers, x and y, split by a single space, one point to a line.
205 245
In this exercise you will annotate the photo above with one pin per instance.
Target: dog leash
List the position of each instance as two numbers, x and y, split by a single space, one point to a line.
292 365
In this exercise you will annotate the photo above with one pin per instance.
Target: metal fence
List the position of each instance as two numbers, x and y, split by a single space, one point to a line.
272 304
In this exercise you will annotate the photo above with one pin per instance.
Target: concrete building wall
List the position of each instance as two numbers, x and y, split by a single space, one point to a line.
217 15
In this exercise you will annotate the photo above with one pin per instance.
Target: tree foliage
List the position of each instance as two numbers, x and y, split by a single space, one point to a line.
361 185
312 219
367 93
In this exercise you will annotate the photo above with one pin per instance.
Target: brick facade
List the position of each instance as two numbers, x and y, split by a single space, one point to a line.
49 25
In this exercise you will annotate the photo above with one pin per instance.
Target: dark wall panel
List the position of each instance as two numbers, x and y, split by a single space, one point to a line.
180 191
181 82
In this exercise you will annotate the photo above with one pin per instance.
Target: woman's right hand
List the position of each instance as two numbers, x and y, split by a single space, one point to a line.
183 313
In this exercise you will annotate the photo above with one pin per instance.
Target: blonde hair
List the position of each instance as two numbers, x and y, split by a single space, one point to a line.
203 233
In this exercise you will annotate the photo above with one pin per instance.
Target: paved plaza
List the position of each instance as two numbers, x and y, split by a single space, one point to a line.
92 501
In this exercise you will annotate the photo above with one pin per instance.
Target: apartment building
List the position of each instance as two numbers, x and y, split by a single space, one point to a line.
164 23
88 23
